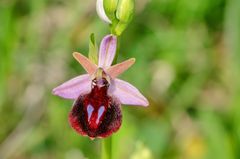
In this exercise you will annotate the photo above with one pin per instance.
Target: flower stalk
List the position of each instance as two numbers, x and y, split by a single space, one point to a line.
107 148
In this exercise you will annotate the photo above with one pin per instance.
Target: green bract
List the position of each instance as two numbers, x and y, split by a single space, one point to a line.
93 49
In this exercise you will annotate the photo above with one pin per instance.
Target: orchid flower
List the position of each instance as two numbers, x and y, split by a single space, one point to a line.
99 94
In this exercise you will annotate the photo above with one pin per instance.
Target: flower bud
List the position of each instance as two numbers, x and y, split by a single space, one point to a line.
101 11
125 10
110 7
118 13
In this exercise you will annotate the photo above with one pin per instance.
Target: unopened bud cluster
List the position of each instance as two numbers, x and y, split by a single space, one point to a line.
118 13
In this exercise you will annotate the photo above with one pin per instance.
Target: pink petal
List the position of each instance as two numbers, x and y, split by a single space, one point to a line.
107 51
119 68
71 89
85 62
127 93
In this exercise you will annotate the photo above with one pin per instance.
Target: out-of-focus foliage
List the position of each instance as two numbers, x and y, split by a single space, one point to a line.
188 66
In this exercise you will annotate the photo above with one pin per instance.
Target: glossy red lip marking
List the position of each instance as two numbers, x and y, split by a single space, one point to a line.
96 114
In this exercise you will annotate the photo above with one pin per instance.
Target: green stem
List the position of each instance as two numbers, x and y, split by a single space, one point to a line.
107 148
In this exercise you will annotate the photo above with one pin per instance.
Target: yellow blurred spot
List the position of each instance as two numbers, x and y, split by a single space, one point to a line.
194 148
141 152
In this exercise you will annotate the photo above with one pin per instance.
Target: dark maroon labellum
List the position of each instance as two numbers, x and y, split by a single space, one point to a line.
96 114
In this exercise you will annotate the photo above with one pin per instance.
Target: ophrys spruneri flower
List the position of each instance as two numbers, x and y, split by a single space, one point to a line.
99 94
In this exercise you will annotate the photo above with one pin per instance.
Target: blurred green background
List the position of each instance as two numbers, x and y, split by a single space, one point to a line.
188 66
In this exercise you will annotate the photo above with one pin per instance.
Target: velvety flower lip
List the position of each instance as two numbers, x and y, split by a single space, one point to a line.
123 91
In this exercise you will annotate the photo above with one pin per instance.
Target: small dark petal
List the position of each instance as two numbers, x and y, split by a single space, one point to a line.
109 123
